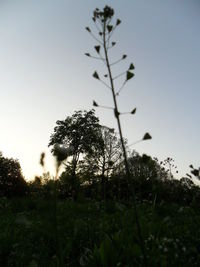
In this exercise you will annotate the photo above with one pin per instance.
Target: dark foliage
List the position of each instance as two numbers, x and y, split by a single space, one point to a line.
151 182
12 182
79 133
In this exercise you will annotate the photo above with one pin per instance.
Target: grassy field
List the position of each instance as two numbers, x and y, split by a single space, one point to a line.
89 233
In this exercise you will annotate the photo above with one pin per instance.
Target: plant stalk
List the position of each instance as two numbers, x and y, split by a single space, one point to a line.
123 146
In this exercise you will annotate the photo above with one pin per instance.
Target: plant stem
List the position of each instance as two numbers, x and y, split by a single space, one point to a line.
123 146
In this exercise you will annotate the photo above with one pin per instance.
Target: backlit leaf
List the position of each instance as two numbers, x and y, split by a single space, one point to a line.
133 111
129 75
109 27
118 21
88 29
95 75
95 104
97 48
131 67
147 136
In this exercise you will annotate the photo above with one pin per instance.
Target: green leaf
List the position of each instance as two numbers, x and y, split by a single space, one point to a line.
131 67
95 104
133 111
118 21
88 29
87 54
147 136
109 27
124 56
95 75
97 48
129 75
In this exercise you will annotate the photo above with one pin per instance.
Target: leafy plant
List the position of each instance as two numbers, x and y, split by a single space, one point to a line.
103 20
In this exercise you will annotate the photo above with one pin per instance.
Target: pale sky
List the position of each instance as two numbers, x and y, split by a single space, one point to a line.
44 75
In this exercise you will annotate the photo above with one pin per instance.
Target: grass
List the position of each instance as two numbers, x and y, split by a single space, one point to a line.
97 234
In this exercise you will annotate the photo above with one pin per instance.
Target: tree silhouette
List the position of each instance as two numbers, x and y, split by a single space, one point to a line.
12 182
104 159
80 133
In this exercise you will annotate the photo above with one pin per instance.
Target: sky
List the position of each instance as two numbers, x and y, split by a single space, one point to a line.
45 76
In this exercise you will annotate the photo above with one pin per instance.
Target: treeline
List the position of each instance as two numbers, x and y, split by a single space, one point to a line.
149 180
93 168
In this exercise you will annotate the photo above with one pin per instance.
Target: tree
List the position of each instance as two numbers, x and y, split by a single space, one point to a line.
12 182
104 159
79 132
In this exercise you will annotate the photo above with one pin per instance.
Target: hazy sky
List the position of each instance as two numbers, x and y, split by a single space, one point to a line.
44 75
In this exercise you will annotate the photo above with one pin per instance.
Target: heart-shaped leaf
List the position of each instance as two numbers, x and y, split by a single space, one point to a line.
109 27
97 48
133 111
129 75
147 136
95 104
88 29
131 67
95 75
118 21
